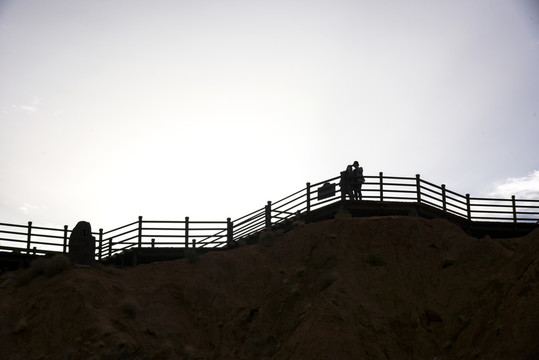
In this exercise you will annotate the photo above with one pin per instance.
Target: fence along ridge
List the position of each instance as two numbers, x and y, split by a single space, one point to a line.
188 233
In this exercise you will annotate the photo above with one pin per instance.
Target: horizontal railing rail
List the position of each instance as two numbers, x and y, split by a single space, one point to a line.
31 239
186 233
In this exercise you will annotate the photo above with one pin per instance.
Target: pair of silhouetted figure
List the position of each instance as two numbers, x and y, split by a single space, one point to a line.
351 181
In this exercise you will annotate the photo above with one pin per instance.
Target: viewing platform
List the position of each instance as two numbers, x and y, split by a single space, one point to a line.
156 240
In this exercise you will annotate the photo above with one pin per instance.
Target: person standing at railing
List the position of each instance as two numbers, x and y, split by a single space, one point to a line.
355 174
351 181
357 181
345 183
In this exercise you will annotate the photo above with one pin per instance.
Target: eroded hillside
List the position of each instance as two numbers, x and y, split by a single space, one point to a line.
351 288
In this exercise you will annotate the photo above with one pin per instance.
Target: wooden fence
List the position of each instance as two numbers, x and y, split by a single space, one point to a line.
216 234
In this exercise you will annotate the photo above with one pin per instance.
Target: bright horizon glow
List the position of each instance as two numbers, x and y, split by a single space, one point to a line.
114 109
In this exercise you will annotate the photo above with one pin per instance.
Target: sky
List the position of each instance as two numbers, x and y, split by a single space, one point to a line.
111 109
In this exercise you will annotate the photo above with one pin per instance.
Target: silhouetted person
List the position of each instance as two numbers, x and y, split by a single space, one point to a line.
351 181
357 181
345 183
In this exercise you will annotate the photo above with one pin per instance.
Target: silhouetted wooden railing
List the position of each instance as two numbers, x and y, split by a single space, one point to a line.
33 239
216 234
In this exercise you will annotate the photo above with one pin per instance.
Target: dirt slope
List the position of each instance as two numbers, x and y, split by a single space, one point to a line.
352 288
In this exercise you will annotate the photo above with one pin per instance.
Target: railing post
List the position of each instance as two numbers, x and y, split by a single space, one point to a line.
186 236
444 203
418 188
153 243
268 215
29 237
140 231
308 189
514 208
381 186
100 256
110 247
468 207
342 187
65 240
229 232
194 243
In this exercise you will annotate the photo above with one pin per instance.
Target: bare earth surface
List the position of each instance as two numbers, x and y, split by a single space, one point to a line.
350 288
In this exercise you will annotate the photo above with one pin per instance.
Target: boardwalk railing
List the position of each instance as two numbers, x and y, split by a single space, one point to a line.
33 239
143 233
215 234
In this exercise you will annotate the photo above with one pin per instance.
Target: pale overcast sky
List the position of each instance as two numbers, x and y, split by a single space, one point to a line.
110 109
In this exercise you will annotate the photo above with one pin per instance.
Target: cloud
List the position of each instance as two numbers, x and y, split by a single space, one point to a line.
24 108
526 187
30 108
28 208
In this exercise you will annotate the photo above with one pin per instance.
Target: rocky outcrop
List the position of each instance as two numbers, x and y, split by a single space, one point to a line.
82 244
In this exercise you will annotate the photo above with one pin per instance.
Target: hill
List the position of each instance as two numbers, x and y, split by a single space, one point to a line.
350 288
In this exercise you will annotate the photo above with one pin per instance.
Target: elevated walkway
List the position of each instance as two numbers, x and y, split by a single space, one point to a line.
356 208
145 241
386 208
